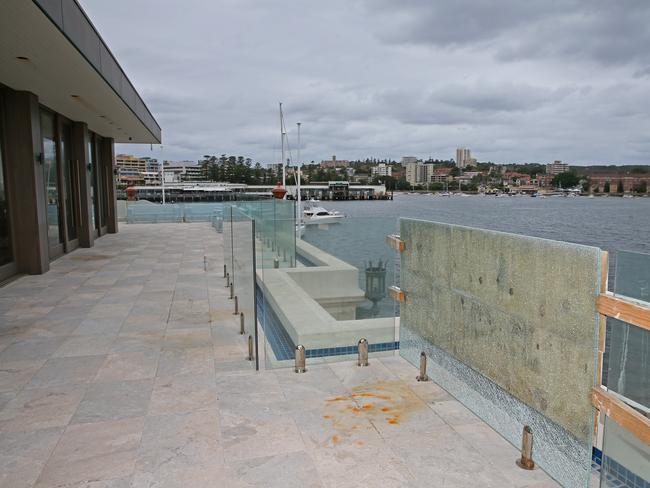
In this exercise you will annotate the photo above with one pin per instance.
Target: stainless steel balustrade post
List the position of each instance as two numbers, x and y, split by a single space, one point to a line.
526 459
224 271
300 359
236 312
250 348
232 290
227 278
423 368
363 353
242 331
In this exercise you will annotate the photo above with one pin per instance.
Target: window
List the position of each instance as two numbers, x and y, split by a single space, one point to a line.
50 178
6 255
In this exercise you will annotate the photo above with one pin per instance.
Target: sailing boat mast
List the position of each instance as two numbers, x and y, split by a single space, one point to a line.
282 133
298 182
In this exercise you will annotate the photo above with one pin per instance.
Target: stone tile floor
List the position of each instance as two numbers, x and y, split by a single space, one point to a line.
120 368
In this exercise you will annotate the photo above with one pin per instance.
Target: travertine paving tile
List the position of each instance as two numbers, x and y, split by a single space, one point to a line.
177 442
128 366
114 400
178 361
41 408
14 375
251 436
66 371
182 393
31 349
99 326
271 471
123 367
93 345
23 455
93 452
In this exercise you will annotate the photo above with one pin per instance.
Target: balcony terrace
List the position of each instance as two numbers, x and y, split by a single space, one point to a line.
123 366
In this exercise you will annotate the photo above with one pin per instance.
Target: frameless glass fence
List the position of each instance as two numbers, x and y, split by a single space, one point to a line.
625 462
242 230
319 285
502 318
147 212
333 296
628 346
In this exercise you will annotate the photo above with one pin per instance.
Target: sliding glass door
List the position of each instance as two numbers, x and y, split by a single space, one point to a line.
51 182
70 185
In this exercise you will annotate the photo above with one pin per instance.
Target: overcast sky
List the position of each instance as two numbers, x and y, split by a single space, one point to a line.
515 81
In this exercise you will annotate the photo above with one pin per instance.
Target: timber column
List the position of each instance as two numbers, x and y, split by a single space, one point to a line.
107 158
24 164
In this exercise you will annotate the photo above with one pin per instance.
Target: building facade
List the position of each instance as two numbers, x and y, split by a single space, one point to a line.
185 171
413 173
639 183
64 102
408 160
556 167
334 163
131 170
382 169
464 158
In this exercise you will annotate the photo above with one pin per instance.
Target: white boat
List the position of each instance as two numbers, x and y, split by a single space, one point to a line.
320 215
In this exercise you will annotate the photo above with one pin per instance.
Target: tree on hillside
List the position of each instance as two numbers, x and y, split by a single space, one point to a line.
619 187
402 184
568 179
530 169
606 187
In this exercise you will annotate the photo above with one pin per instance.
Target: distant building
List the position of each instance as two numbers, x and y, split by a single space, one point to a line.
630 183
408 159
382 169
130 169
543 181
152 164
556 167
335 163
464 158
513 178
184 171
414 173
439 175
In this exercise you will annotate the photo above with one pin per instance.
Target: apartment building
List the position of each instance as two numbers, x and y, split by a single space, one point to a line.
382 169
556 167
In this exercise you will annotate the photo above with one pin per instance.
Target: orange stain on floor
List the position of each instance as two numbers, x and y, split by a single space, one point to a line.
393 402
337 399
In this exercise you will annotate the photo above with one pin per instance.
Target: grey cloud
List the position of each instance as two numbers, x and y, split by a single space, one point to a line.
514 80
598 30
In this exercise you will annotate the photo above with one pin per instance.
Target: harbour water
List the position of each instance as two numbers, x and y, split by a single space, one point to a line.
610 223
